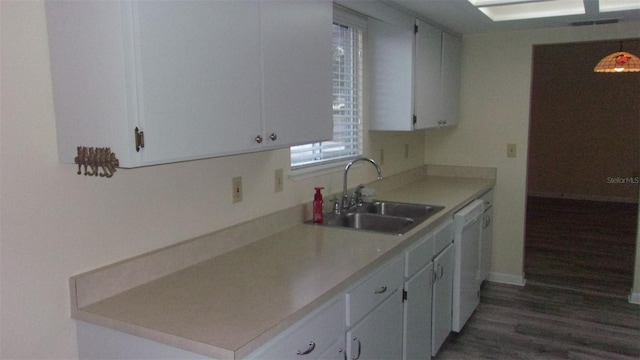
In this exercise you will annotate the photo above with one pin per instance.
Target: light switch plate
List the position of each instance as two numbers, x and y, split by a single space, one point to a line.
511 150
236 194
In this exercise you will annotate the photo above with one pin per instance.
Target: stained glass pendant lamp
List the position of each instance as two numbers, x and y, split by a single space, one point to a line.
620 61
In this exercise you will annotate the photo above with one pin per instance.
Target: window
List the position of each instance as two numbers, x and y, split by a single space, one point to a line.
347 98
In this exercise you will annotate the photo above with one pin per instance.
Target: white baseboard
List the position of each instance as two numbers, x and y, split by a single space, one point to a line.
634 298
507 279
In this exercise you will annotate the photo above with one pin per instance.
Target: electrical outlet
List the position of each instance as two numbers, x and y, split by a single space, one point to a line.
236 194
406 151
279 185
511 150
381 156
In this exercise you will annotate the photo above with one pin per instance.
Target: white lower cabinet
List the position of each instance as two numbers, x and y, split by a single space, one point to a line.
428 293
374 314
379 334
417 315
442 297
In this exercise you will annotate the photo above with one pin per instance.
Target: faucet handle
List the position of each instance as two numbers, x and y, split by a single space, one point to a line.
356 198
337 209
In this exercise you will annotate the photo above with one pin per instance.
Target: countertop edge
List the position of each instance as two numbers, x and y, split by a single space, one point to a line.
154 335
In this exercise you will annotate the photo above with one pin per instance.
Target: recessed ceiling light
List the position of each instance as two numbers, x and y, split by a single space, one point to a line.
494 2
532 10
618 5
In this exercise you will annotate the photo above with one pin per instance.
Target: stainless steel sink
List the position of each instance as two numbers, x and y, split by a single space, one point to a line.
390 208
382 216
367 221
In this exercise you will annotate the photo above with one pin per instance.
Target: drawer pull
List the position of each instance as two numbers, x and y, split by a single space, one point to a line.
359 349
311 347
441 268
382 290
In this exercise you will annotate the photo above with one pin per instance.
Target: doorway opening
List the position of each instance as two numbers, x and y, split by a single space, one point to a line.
583 170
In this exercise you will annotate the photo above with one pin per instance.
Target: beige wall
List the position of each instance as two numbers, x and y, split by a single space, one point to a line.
584 134
496 82
55 224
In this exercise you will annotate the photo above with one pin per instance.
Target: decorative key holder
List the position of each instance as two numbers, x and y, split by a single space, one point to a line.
96 161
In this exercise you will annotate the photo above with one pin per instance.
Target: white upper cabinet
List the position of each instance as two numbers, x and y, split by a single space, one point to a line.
428 77
415 73
198 71
298 58
451 65
391 80
198 78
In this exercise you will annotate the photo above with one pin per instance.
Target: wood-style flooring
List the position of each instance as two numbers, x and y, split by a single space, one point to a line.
579 270
579 244
541 322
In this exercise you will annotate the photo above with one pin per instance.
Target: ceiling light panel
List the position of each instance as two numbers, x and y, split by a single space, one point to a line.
494 2
618 5
534 10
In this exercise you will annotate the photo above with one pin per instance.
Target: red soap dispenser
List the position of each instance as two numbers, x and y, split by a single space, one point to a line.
317 206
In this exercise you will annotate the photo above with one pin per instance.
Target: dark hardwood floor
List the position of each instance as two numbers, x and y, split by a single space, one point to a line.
579 244
542 322
579 269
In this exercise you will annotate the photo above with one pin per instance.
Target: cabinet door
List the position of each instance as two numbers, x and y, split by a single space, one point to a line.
486 244
379 334
442 298
428 99
451 68
417 315
91 70
391 64
198 77
297 54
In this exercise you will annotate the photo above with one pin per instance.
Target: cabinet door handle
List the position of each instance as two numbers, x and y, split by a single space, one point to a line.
359 349
259 139
382 290
434 276
273 136
311 347
441 271
344 353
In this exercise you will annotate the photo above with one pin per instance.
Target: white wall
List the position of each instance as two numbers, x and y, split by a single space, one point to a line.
496 81
55 224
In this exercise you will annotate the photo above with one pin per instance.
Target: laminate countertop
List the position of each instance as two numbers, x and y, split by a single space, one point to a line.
229 305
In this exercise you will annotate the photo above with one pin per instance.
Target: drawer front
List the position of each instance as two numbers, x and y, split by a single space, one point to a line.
443 237
313 335
366 296
419 255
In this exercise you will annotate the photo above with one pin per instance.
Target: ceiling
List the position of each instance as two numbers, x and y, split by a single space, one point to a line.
462 17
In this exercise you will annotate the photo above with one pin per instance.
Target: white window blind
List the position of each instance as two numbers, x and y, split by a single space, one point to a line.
347 97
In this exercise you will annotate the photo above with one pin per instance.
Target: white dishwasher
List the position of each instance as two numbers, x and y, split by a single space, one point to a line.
466 240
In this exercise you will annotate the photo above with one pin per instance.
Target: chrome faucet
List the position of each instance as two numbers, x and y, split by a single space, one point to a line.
345 196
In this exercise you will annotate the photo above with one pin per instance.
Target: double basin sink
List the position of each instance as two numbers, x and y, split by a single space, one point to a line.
382 216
